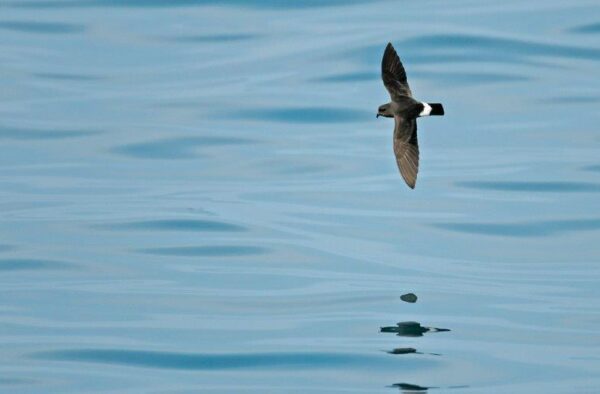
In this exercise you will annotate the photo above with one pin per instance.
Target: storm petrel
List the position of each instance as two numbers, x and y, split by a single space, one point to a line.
405 110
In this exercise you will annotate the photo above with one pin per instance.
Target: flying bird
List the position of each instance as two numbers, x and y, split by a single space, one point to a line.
405 110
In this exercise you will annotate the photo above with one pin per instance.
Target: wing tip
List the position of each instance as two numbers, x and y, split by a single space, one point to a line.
389 48
388 57
409 180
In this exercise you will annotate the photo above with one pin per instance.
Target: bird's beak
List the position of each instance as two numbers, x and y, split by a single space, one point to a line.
377 116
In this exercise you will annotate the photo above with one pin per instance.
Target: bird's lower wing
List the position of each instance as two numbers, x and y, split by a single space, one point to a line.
406 149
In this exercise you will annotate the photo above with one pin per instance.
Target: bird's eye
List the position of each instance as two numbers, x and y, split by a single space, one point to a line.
381 109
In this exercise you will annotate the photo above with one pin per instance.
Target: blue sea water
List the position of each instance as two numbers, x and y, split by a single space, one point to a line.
195 196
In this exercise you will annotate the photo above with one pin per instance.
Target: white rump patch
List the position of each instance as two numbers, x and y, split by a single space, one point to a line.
426 110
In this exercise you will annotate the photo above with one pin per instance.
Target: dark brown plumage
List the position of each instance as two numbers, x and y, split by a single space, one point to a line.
393 74
406 149
406 146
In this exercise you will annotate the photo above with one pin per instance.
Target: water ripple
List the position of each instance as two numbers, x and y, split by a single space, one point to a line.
459 78
212 251
453 48
6 248
541 187
180 3
31 264
527 229
174 225
350 77
471 78
175 148
466 42
199 361
14 133
67 77
592 28
41 27
212 38
15 381
594 168
306 115
571 99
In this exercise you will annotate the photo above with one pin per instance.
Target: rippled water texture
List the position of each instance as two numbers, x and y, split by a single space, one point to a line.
196 197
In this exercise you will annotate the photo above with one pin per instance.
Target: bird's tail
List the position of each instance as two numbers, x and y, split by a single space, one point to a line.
436 109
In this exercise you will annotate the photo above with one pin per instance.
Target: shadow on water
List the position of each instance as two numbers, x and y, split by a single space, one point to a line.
305 115
31 264
542 187
175 148
198 361
41 27
14 133
173 225
411 329
179 3
207 251
542 228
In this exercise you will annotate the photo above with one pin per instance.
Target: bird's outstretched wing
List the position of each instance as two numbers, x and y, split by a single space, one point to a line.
393 74
406 149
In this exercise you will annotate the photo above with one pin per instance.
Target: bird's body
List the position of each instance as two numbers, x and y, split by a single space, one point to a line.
405 110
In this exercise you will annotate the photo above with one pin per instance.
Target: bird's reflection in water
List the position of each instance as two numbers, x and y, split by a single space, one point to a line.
410 388
404 350
407 388
409 350
411 298
411 329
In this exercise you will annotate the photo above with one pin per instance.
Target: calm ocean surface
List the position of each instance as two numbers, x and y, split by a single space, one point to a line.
195 196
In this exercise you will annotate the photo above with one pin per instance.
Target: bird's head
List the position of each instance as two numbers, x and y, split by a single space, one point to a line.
385 110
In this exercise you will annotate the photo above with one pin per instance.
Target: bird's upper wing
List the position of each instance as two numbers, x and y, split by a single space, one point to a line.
406 149
393 74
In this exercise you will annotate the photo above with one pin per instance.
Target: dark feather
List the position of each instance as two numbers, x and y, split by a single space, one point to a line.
406 149
393 74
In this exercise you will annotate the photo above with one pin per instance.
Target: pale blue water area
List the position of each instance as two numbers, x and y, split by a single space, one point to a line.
196 197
